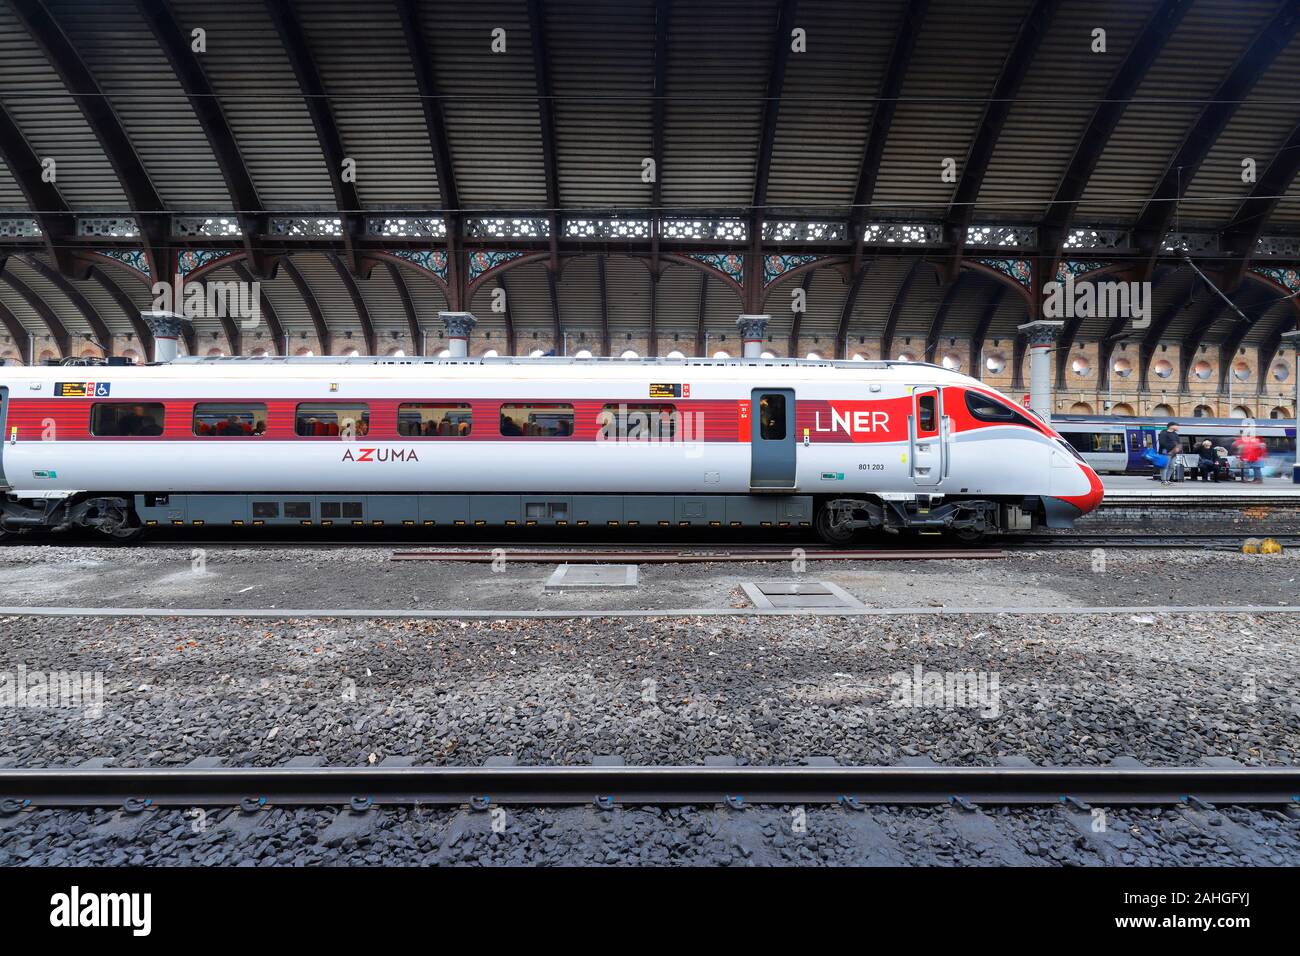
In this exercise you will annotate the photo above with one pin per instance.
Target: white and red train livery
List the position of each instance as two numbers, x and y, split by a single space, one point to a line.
838 445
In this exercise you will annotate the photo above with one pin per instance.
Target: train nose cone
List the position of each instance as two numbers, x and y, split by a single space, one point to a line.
1093 497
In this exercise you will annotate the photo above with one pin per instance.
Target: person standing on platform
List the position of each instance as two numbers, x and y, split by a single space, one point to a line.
1252 453
1169 444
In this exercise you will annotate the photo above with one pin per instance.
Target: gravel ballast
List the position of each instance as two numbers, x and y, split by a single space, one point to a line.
1069 688
1065 687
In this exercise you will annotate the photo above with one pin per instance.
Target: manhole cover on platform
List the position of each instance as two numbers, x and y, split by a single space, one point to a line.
771 595
569 576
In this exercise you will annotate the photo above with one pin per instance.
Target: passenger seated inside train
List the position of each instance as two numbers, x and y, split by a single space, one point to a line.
537 421
127 420
330 420
221 420
232 427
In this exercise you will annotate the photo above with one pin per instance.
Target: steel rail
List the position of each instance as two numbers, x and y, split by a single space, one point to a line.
362 787
693 555
475 551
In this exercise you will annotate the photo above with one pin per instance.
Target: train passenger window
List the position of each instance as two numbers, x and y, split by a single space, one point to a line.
1095 442
126 419
229 420
430 420
771 417
541 421
986 409
332 420
640 422
925 407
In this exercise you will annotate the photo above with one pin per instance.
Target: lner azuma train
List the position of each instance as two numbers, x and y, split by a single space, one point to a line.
515 442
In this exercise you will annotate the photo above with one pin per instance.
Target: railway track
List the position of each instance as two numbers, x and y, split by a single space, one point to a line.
823 782
1232 542
578 550
671 555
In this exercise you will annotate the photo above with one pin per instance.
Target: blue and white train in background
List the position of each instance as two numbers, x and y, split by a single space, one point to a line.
1117 445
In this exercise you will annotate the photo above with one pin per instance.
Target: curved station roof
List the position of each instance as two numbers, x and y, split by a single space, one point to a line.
881 178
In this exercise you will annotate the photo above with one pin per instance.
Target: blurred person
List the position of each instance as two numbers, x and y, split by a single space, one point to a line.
1169 444
1252 453
132 423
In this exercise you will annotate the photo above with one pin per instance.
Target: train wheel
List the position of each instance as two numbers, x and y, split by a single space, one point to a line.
121 526
970 535
123 534
830 532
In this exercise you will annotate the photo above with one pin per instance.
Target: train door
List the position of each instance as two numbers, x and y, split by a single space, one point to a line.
927 443
1139 440
4 432
772 444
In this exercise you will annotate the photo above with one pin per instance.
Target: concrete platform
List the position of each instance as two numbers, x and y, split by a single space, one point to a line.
1139 486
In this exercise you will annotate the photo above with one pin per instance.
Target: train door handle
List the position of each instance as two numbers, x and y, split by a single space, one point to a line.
923 446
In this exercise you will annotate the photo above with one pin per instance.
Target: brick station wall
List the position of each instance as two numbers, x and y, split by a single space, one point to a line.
1190 517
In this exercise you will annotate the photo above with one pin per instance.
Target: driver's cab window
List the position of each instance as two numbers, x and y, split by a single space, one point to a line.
926 407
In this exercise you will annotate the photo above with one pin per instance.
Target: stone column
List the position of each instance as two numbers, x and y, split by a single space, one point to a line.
753 329
1042 335
167 328
459 326
1291 343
